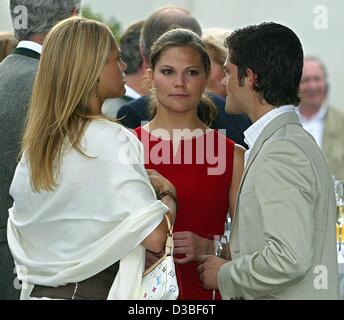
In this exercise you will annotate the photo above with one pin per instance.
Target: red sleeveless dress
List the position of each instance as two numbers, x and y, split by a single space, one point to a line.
201 170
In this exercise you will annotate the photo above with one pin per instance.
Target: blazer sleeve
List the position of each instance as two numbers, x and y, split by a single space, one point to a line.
284 192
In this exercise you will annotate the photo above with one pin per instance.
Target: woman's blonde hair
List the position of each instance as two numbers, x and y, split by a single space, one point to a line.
214 40
74 53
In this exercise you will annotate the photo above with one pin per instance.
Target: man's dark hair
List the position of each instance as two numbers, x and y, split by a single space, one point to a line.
274 53
161 21
130 47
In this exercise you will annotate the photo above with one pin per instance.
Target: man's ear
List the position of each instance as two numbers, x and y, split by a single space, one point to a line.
251 78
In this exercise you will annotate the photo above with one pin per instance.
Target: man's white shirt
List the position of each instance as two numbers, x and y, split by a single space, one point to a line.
315 125
253 132
34 46
131 93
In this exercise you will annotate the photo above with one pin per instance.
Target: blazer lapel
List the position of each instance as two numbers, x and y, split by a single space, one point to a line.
277 123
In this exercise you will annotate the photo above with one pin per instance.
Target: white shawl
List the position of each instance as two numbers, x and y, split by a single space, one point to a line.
101 211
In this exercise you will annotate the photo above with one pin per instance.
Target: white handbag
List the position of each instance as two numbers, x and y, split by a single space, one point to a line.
159 281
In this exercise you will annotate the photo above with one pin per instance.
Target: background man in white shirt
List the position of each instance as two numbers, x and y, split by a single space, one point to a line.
324 122
135 74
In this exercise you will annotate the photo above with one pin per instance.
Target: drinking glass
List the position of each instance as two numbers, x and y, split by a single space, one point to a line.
339 191
221 249
221 246
228 225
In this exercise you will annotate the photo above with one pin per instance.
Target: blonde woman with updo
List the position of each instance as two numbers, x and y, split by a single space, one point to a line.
214 40
84 210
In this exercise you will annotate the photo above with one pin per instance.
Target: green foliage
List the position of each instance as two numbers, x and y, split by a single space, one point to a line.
111 22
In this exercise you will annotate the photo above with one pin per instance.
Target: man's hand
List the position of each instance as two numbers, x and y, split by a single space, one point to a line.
189 244
208 269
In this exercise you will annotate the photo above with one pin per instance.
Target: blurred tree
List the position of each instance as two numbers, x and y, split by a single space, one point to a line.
112 22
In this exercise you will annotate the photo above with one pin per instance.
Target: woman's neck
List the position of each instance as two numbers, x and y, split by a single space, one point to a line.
95 105
170 121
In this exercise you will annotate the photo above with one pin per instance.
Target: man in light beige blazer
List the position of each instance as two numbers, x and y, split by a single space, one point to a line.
282 242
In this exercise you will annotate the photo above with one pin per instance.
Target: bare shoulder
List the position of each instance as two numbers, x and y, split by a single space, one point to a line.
239 156
239 151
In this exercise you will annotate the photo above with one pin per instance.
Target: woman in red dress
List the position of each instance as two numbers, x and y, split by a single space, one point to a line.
203 164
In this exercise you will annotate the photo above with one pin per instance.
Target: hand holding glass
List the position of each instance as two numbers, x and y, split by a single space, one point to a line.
221 249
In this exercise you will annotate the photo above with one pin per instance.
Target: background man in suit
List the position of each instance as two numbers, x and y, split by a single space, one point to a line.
17 76
283 239
324 122
136 111
135 72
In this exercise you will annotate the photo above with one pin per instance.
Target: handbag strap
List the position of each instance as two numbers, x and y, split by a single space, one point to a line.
168 247
169 241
